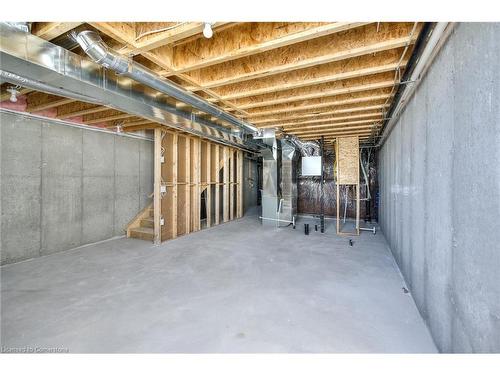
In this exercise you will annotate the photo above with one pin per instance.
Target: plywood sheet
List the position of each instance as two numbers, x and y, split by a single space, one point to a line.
348 160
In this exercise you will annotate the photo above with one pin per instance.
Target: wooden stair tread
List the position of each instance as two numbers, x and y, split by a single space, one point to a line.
147 222
143 230
142 233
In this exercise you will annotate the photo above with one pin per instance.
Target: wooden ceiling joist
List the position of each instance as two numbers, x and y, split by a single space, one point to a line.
304 124
347 111
362 132
348 44
110 115
375 82
320 104
39 101
78 109
247 39
325 128
135 128
336 71
308 78
51 30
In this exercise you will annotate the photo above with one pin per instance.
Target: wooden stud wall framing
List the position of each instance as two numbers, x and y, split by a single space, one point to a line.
225 186
239 179
191 168
231 184
217 167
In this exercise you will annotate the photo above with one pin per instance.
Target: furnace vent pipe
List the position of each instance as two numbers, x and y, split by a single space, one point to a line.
98 51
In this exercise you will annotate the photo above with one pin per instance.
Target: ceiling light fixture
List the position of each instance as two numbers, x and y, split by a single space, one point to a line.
207 30
13 94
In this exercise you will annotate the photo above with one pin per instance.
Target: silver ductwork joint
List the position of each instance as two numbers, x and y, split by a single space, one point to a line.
22 26
96 49
306 148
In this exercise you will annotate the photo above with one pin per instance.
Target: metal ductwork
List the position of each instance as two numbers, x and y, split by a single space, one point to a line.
289 159
22 26
40 86
34 63
98 51
279 185
306 148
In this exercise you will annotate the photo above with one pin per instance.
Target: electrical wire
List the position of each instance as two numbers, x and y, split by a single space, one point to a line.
150 32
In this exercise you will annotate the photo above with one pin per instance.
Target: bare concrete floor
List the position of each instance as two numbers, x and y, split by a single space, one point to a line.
238 287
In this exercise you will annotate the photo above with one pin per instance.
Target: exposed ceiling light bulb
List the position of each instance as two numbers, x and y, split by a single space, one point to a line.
13 94
207 31
119 128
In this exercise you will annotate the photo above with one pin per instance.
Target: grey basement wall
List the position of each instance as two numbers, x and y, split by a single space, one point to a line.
440 192
64 186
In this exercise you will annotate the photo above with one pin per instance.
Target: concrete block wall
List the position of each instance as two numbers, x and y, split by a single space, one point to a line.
440 192
63 186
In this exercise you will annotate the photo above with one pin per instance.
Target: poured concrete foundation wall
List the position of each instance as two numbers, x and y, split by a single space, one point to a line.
440 192
63 187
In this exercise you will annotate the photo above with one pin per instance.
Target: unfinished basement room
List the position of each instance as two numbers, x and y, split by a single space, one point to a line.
250 187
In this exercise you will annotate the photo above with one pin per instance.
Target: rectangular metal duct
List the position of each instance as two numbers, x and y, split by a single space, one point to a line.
289 156
35 59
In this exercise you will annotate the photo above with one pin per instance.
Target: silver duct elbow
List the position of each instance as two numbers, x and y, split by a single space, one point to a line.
98 51
307 148
93 45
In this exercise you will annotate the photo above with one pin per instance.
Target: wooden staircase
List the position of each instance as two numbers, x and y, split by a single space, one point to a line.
141 226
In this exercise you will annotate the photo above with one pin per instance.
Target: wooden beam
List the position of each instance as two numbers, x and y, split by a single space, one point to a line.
196 178
52 104
122 32
374 82
240 182
231 183
141 121
323 122
336 127
343 133
352 43
208 196
157 186
78 109
39 101
135 128
248 39
318 104
225 186
187 213
174 166
324 117
318 74
51 30
171 34
217 185
108 118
